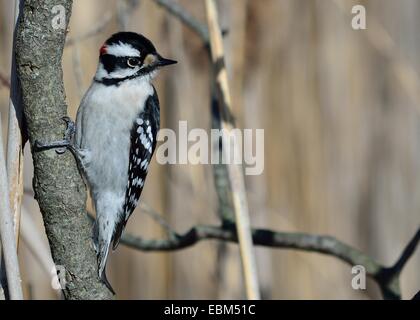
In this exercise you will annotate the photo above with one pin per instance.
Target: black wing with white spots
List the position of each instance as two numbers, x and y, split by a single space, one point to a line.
143 143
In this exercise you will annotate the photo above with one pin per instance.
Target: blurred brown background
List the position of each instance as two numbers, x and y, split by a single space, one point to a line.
341 113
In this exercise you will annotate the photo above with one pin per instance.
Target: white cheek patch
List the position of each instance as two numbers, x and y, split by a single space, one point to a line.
122 50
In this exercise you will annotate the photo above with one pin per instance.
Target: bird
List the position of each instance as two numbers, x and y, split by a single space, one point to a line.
115 135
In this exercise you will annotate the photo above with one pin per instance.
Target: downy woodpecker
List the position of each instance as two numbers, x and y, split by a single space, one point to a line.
115 135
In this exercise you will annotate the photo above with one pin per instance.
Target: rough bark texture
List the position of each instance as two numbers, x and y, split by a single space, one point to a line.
58 186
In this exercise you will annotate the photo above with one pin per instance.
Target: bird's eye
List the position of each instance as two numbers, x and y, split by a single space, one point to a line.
133 62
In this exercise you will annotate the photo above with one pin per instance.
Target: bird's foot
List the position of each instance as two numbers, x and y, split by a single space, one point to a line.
61 145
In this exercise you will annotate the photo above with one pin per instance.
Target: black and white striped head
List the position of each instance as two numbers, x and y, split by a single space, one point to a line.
126 56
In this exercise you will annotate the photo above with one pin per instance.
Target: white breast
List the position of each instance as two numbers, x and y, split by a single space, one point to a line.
104 120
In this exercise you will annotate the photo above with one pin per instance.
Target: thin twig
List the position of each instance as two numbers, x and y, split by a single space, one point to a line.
103 23
4 81
407 253
98 28
124 9
235 171
389 278
158 218
11 263
261 237
267 238
186 18
122 15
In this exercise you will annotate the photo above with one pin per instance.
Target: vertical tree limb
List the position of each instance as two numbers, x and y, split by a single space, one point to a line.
11 263
15 142
235 171
220 171
58 186
14 156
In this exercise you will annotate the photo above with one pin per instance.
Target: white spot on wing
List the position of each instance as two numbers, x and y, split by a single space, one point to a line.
144 164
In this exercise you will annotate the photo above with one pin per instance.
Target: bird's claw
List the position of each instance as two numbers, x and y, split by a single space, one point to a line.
62 145
70 130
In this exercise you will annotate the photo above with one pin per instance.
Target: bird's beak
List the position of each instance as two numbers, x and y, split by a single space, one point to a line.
161 61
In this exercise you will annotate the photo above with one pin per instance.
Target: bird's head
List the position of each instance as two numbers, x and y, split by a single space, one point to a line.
128 55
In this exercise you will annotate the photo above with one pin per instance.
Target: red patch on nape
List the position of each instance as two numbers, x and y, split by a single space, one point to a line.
102 50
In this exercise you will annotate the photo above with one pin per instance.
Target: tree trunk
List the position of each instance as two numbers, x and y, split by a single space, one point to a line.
58 186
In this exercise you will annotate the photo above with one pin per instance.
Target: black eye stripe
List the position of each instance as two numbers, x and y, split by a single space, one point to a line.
111 62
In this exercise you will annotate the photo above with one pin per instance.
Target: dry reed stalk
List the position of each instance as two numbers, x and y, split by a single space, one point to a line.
7 233
14 145
235 171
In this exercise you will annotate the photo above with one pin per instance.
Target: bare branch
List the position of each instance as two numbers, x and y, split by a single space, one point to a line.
282 240
407 253
261 237
158 218
186 18
389 278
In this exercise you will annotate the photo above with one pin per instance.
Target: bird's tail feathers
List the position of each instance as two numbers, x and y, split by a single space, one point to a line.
106 282
103 252
102 237
103 232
